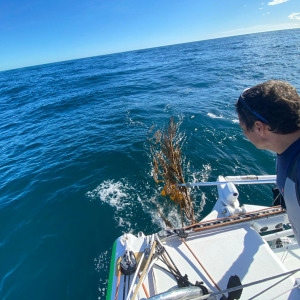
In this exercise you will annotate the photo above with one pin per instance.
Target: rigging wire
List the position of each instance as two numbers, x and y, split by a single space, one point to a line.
297 285
271 286
248 284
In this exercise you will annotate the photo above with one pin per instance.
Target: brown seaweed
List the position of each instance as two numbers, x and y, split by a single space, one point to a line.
165 148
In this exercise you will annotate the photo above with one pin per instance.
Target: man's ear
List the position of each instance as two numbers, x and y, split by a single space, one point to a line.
261 127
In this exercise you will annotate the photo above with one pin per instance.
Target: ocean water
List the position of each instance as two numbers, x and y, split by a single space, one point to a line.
75 164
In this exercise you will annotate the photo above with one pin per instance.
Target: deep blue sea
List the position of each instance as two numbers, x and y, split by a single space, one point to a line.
75 163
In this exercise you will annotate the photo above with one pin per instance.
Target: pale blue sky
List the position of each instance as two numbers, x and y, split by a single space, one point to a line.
42 31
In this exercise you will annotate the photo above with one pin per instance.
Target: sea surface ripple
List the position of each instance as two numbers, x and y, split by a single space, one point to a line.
75 163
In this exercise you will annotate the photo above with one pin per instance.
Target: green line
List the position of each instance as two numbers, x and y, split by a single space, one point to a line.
111 272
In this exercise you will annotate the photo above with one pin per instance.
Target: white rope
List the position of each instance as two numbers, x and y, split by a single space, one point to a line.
137 272
135 276
144 272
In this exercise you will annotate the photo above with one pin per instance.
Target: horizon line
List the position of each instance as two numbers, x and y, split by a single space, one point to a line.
147 48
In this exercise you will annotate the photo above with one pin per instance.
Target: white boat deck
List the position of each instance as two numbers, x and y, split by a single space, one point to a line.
231 240
290 257
250 258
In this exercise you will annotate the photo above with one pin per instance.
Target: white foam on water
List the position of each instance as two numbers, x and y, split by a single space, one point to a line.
202 203
117 194
213 116
200 177
123 198
174 217
110 192
169 211
131 122
102 263
203 175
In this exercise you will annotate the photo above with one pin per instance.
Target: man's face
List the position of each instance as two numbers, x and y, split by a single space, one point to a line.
252 135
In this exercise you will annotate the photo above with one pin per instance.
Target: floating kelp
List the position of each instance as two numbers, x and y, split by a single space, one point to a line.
165 147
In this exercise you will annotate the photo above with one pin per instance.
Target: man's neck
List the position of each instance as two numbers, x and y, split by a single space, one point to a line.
282 141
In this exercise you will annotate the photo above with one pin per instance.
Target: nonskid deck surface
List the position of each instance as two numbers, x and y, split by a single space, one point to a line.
213 255
225 252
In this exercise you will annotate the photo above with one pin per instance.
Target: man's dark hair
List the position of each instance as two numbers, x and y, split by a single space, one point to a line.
273 102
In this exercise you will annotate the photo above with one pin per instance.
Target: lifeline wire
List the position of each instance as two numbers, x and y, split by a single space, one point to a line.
247 284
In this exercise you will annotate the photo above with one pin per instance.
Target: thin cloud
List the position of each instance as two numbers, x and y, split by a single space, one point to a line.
257 28
294 16
275 2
